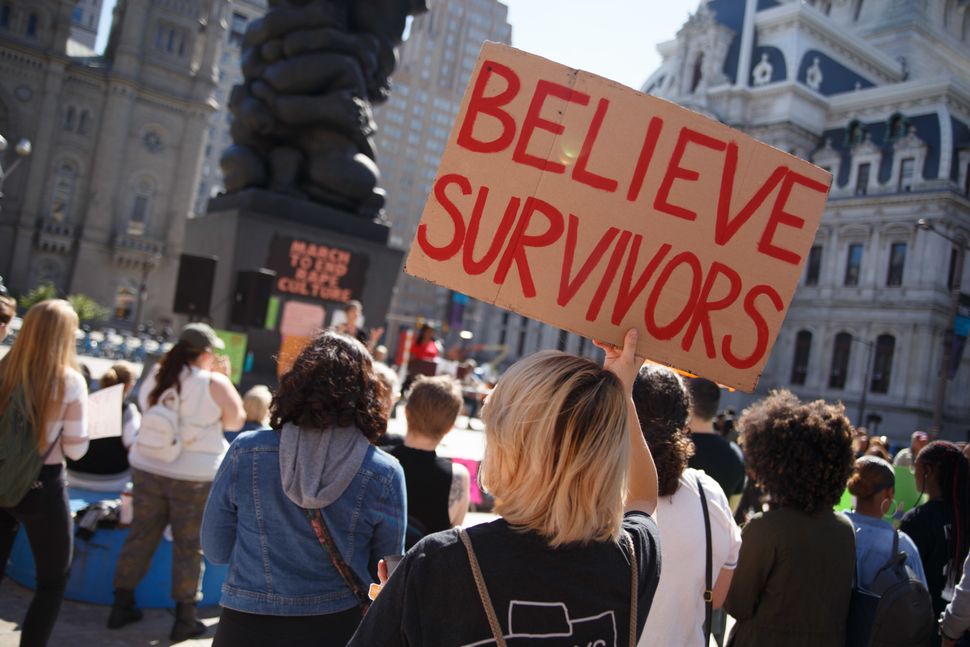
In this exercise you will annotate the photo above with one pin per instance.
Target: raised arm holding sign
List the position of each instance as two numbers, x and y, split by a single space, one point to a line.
590 206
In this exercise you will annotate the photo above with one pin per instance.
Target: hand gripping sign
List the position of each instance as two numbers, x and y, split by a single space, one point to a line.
579 202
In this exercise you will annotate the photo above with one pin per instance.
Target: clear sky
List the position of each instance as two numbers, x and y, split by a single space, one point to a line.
613 38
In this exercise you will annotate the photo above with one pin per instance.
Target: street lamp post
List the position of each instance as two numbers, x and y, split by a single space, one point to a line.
961 247
23 149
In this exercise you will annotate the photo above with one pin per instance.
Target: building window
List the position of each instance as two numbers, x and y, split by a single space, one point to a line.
966 181
84 123
141 208
840 360
814 265
237 28
897 260
69 118
906 168
65 181
853 264
862 178
562 341
883 364
803 349
32 21
698 73
952 273
855 133
523 332
5 15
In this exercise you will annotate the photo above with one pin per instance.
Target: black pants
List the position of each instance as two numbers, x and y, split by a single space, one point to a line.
46 516
238 629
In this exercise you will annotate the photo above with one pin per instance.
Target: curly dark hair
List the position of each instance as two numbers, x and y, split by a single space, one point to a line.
798 452
331 384
663 407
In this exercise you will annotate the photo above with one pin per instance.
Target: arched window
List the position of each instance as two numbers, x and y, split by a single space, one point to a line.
62 197
803 350
141 207
698 73
883 364
897 127
69 118
840 360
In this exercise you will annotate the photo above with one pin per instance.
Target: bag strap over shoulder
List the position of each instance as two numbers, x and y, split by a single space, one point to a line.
336 560
634 588
482 590
708 566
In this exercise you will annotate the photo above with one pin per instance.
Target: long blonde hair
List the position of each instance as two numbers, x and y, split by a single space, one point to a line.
557 455
38 362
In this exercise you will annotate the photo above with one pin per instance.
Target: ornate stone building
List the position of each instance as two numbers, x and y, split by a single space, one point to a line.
100 205
878 92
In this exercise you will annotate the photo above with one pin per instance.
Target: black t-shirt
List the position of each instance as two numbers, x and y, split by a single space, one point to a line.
428 480
556 597
720 459
928 526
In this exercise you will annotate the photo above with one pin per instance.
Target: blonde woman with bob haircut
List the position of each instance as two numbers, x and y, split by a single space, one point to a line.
561 436
40 375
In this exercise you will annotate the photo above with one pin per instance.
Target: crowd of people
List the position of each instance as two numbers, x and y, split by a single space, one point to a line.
631 510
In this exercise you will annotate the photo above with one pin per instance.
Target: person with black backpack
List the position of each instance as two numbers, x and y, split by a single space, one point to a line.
43 403
890 602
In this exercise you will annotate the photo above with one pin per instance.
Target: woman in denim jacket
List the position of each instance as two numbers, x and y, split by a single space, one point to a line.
281 587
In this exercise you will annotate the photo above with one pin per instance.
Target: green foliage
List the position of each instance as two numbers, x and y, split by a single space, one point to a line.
87 308
42 292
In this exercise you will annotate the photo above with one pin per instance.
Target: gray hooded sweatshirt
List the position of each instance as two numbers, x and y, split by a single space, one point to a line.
317 466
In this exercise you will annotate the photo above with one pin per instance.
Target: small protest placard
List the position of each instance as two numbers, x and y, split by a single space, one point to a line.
104 412
582 203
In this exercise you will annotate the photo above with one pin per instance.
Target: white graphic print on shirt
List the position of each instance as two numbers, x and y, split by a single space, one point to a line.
548 623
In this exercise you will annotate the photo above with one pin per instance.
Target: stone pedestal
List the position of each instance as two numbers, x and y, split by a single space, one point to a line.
253 229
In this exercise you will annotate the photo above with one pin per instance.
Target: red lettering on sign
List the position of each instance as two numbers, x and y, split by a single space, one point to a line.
468 262
646 155
568 287
670 330
445 252
593 311
625 294
701 318
520 240
725 227
480 104
580 174
677 172
533 120
761 328
781 217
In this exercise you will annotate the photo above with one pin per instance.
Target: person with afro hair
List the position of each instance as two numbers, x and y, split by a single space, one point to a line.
794 576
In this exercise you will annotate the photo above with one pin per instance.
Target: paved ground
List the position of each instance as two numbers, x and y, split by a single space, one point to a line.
83 625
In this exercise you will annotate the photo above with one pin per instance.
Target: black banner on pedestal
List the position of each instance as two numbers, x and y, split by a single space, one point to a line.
324 272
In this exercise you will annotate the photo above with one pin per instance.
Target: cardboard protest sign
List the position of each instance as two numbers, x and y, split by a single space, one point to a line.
104 412
580 202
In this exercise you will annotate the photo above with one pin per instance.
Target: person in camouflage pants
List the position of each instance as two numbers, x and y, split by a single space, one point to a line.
155 497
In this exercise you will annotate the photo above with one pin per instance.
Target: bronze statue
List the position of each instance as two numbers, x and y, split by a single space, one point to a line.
302 121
